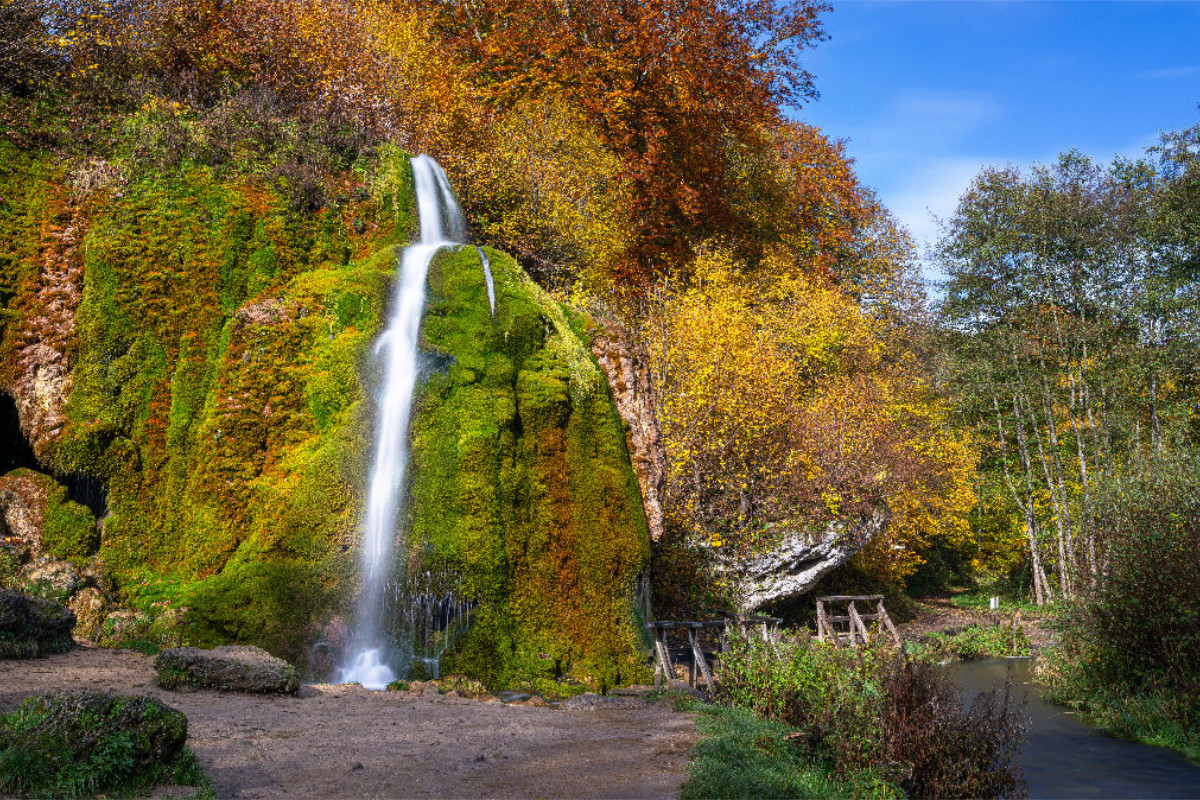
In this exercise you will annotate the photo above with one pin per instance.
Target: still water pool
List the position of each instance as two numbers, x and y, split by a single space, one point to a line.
1066 758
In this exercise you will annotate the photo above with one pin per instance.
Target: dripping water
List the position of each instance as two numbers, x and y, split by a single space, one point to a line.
487 276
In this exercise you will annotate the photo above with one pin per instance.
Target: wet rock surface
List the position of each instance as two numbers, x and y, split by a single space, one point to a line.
31 626
229 668
345 741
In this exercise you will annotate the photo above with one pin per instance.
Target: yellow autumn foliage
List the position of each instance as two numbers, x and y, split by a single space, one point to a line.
784 406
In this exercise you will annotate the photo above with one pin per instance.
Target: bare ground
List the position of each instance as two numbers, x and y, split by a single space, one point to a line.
345 741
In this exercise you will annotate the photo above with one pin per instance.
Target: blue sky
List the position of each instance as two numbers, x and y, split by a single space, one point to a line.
929 92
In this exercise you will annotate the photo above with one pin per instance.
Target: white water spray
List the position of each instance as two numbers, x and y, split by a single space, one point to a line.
487 276
442 224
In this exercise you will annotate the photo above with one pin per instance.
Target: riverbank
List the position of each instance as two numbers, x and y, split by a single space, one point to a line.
339 741
1066 757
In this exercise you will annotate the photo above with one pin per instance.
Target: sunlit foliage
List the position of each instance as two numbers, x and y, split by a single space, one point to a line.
784 407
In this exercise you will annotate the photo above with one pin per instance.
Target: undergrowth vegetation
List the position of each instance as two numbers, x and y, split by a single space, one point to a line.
868 714
975 641
1129 655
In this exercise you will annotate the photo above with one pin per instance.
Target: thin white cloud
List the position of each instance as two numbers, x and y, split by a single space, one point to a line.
923 118
1170 73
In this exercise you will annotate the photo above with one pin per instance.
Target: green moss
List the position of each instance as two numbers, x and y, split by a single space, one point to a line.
222 338
82 744
68 529
521 483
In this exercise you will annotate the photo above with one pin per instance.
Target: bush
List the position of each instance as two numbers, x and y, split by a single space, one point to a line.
867 711
745 755
976 641
954 752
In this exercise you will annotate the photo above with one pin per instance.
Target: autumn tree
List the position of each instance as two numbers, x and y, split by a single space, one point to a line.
783 408
1068 313
676 89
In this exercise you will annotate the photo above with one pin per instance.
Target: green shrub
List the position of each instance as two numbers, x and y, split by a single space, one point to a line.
870 712
748 756
976 641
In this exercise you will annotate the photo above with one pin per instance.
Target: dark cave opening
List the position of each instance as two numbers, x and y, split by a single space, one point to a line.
17 453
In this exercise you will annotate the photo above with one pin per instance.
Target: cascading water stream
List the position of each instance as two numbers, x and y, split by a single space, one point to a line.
370 657
487 277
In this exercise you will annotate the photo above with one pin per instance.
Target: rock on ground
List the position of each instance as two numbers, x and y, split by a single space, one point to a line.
230 668
31 626
66 740
795 564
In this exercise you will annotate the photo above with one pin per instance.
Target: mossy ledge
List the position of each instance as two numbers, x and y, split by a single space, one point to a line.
522 485
212 378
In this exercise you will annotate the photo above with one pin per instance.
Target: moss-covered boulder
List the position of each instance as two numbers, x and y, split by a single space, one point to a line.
32 626
522 486
227 668
80 744
37 519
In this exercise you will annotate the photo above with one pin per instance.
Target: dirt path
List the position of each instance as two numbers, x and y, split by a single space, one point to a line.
344 741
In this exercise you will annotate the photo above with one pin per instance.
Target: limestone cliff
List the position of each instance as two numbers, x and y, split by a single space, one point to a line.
627 369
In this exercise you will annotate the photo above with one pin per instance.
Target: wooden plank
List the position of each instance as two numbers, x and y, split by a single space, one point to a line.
887 621
698 657
846 617
857 623
664 658
841 598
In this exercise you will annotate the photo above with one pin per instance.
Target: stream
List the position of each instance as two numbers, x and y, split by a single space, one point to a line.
1065 757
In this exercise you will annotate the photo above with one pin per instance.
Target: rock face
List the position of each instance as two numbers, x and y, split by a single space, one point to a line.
793 566
31 626
228 668
522 486
626 366
68 740
42 378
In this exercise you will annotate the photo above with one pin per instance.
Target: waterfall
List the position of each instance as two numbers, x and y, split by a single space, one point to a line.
372 654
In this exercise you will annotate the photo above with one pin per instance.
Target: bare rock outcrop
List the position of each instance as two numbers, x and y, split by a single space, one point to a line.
22 511
46 337
625 365
795 564
230 668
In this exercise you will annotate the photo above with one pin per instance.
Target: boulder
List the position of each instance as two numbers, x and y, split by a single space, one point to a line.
123 626
796 563
31 626
64 743
90 607
228 668
51 578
